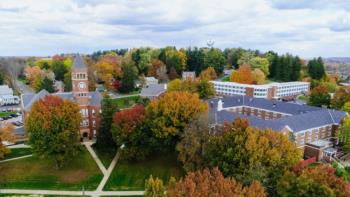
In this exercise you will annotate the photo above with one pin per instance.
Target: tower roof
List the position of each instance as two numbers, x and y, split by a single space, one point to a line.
78 63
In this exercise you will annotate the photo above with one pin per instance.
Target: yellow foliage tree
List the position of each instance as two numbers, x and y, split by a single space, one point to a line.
208 74
107 68
258 76
242 75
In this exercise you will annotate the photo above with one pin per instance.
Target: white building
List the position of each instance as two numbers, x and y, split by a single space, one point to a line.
151 80
7 97
269 91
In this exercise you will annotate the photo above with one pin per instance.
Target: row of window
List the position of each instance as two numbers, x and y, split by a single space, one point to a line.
80 76
82 94
317 134
85 123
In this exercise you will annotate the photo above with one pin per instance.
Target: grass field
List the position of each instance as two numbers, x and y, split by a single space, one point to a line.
106 157
3 114
126 102
18 152
35 173
132 175
32 195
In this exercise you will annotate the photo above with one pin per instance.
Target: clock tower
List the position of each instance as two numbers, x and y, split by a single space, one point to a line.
80 81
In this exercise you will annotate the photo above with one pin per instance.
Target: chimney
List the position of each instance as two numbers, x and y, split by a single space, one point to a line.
220 105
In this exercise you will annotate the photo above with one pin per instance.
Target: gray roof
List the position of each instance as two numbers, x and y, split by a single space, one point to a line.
302 117
29 99
95 99
78 63
153 90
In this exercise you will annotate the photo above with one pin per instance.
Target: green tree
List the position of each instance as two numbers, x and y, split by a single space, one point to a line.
341 96
316 68
154 187
195 59
53 128
67 81
216 59
129 77
104 139
47 84
260 63
319 96
59 69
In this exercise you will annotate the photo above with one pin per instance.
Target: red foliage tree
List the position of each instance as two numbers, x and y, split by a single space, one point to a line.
117 84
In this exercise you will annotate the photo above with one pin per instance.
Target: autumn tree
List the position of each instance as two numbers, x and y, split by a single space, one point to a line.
34 75
242 75
208 183
313 181
173 73
341 96
319 96
260 63
6 134
104 139
344 134
53 128
208 74
191 147
258 76
171 113
251 154
107 68
155 65
154 187
127 131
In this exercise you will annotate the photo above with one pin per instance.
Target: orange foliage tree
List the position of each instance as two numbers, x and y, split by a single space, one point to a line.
108 67
242 75
53 128
6 134
34 75
208 74
212 183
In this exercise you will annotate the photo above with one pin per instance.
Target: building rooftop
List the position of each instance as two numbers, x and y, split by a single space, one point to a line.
78 63
297 117
153 90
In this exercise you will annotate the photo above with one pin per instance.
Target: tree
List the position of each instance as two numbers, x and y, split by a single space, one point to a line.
53 128
246 58
233 55
258 76
171 113
162 75
313 181
59 69
155 65
6 134
104 138
346 107
316 68
251 154
34 75
47 84
205 89
341 96
208 183
128 79
195 59
127 130
67 81
260 63
242 75
319 96
208 74
154 187
191 147
344 134
107 68
173 74
216 59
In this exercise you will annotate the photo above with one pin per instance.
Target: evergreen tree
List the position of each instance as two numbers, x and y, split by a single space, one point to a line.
47 84
195 59
129 77
104 139
316 68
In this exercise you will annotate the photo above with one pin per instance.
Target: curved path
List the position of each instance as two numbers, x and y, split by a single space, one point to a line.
98 192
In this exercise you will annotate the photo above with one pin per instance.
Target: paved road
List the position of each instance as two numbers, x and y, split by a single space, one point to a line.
24 88
22 157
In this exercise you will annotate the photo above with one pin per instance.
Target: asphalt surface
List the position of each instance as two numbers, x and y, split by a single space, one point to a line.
24 88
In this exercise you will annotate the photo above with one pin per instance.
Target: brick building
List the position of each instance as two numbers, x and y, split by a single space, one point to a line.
89 102
305 125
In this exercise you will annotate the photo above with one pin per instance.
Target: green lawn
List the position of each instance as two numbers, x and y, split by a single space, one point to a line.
32 195
18 152
314 164
132 175
106 156
3 114
35 173
126 102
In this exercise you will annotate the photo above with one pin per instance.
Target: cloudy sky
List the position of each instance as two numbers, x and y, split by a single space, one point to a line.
306 28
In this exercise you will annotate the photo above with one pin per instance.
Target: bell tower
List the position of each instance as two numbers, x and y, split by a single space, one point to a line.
80 81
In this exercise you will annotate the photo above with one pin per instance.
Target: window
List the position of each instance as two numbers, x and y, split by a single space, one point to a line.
84 123
94 123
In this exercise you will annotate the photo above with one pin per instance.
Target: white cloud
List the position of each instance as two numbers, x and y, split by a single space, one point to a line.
305 28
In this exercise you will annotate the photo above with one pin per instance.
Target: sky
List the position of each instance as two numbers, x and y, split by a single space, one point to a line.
308 28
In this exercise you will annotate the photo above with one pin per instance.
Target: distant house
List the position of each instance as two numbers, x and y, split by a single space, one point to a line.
151 80
7 97
153 91
228 72
188 75
59 87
